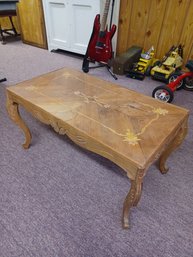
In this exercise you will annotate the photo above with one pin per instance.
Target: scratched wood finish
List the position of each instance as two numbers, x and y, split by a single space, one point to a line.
128 128
158 23
32 23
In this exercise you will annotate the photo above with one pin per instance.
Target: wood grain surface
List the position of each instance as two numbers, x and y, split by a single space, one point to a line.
130 129
32 25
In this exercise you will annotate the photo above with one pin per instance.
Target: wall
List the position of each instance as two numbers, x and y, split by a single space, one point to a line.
161 23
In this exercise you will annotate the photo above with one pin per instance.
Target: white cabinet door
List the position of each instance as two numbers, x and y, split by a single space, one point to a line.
83 14
69 23
57 17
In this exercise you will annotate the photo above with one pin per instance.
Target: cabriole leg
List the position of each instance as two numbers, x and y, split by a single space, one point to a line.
13 111
132 197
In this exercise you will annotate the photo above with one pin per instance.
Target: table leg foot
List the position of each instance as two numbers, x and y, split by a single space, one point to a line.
125 223
13 111
171 147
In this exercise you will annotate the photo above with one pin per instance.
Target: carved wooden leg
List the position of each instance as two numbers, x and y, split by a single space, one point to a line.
132 197
172 146
13 111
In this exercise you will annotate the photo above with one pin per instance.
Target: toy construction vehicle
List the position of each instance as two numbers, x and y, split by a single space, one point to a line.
143 67
171 63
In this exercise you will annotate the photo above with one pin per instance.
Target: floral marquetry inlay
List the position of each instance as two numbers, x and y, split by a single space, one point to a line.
160 111
91 99
130 137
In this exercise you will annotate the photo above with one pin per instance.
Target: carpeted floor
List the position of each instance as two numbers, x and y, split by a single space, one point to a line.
58 200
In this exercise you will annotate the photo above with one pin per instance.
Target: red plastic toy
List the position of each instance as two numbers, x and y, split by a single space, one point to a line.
176 81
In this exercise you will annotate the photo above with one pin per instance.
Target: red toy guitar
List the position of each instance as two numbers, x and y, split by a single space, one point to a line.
100 44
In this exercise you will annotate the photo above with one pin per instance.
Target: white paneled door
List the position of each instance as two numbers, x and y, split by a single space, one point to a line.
69 23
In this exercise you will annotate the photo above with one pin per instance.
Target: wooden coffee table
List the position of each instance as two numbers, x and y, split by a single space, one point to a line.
126 127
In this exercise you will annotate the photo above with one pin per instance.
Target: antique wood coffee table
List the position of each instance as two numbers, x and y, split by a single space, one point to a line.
126 127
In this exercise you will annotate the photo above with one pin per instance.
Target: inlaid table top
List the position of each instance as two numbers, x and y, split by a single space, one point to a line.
129 128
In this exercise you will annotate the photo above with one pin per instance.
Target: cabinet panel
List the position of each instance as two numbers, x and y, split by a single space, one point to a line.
69 23
58 32
83 13
32 22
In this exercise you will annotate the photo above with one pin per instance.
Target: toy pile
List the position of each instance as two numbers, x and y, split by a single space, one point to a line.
167 70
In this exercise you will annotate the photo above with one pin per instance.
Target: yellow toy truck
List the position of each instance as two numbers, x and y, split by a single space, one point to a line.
143 67
171 63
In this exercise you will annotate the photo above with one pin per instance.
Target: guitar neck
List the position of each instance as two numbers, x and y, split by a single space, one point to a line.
105 15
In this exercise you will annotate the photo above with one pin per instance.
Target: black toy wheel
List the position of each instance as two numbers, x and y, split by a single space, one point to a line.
188 85
163 93
157 63
173 77
148 71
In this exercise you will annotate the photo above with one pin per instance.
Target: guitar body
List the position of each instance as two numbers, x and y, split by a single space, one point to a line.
94 38
100 45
